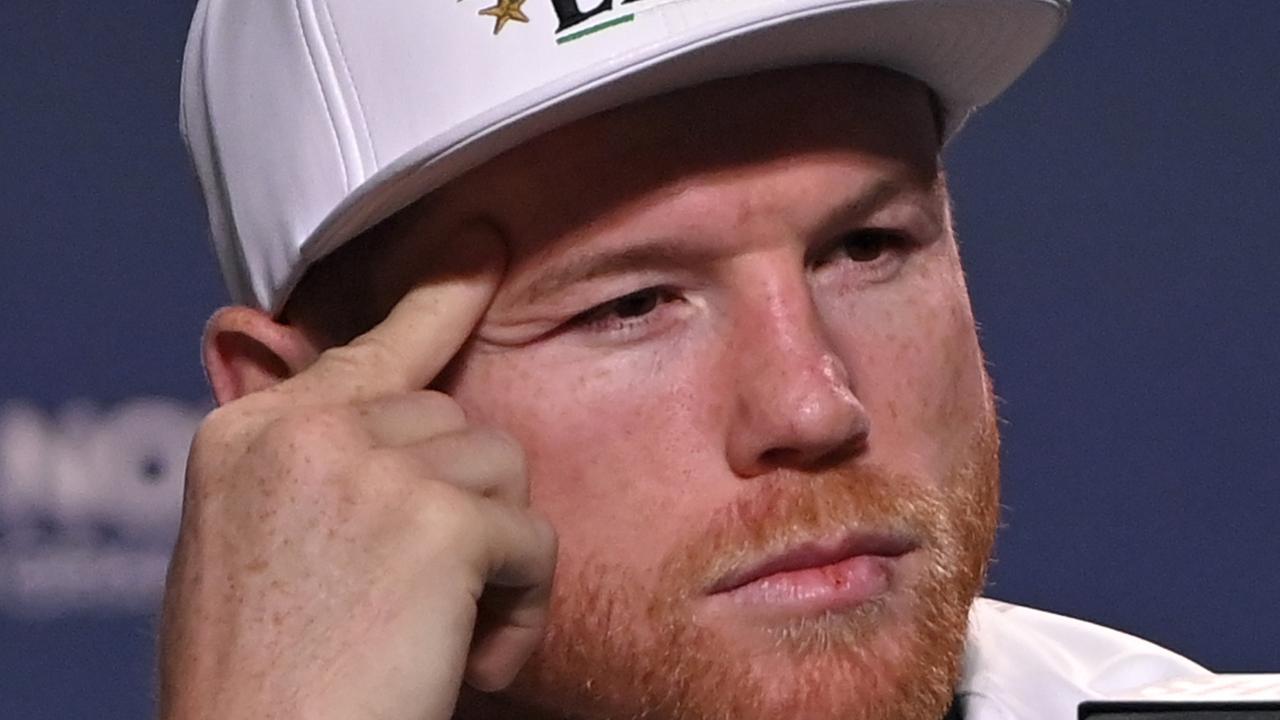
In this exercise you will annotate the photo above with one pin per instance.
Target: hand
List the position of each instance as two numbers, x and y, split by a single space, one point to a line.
342 530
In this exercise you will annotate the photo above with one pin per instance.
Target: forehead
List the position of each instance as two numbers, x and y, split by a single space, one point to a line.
862 117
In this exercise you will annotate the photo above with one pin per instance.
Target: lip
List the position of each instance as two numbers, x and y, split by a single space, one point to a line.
819 575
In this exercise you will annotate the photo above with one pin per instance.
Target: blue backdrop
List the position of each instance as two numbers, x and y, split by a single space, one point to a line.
1118 211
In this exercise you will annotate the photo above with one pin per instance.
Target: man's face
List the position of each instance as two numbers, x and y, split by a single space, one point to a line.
735 341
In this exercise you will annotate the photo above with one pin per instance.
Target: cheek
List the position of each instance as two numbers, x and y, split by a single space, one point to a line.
615 444
913 357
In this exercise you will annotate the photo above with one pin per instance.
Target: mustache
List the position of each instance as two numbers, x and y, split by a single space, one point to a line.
788 509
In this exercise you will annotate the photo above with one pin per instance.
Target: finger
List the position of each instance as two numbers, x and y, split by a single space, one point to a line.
411 418
521 554
513 611
424 330
498 650
487 462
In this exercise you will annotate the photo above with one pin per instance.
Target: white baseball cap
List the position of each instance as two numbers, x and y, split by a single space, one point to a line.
310 121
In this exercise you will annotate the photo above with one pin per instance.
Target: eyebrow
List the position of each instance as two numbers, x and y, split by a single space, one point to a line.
657 254
665 253
864 203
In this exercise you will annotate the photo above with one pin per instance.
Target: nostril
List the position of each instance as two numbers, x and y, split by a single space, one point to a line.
779 457
816 458
855 446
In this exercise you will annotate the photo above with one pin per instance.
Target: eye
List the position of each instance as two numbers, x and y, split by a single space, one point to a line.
636 304
867 245
625 312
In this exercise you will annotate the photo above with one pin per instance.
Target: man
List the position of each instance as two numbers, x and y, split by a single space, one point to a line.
706 431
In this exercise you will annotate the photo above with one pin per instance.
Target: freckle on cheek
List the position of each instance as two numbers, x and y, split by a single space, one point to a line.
893 410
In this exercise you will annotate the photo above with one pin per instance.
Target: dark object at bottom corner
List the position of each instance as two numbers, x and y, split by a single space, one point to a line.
1180 711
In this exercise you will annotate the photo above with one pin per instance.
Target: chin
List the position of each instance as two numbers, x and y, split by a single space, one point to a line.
882 660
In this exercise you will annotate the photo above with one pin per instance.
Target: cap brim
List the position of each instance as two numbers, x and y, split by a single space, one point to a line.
968 53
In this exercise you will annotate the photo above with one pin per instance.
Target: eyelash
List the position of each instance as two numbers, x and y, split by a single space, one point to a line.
882 241
608 318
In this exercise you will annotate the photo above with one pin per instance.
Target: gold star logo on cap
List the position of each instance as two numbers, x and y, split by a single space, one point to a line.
505 11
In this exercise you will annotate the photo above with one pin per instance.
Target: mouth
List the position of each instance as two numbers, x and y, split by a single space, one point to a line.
817 576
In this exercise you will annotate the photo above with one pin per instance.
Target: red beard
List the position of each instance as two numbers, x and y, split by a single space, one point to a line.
610 654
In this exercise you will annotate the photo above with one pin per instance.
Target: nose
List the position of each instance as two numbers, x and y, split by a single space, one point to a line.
795 405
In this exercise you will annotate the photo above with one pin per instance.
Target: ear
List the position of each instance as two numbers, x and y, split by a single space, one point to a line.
246 350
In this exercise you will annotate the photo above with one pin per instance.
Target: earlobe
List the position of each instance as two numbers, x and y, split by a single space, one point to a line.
246 351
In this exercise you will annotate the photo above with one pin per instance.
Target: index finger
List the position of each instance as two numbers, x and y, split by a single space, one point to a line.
422 332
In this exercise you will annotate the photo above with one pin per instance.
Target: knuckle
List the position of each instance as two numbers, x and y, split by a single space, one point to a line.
546 533
443 411
301 434
445 513
290 429
375 479
442 406
379 466
503 448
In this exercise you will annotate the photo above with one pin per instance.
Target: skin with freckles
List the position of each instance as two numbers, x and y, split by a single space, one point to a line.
733 322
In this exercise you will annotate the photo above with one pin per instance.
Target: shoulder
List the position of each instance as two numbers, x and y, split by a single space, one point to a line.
1025 663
